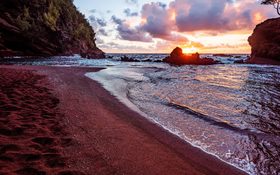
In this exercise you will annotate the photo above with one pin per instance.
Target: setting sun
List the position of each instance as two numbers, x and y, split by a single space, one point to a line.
190 50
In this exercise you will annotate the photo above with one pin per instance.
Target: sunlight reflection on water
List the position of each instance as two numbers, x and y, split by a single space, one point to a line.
231 111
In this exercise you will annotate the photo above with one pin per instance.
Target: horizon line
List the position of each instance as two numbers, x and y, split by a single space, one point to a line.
169 53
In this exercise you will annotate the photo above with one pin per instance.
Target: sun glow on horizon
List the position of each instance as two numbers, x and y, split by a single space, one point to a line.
190 50
160 26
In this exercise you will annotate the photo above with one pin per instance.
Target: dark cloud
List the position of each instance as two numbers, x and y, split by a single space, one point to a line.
166 21
222 15
103 32
202 15
157 20
99 41
161 4
97 22
190 15
175 38
131 1
101 22
130 34
116 20
128 13
93 11
157 25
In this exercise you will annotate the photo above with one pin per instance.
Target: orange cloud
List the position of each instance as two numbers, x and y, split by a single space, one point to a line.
206 26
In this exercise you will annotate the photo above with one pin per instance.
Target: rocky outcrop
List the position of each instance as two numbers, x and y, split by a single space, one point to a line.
45 28
177 57
125 58
265 42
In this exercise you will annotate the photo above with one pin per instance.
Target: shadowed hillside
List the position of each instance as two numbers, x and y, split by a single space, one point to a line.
45 28
265 42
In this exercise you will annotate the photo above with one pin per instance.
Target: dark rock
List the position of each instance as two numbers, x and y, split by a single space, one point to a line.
265 42
109 57
237 56
45 28
222 55
156 61
93 53
127 59
239 62
178 58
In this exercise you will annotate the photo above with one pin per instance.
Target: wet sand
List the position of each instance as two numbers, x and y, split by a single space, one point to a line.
57 121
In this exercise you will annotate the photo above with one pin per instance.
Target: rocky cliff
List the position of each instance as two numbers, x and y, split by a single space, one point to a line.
265 42
45 28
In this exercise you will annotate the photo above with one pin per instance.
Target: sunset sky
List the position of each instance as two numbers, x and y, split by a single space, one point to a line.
147 26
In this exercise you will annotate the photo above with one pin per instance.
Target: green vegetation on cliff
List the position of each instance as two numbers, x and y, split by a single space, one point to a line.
45 27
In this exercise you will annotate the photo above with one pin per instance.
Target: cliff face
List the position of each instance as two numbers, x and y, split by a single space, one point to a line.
45 28
265 42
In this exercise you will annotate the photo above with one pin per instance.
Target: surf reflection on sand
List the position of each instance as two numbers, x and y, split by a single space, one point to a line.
231 111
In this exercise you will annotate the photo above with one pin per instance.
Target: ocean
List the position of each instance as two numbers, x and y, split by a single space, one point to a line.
229 110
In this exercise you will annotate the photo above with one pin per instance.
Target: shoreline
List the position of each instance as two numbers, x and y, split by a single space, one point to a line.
110 138
119 92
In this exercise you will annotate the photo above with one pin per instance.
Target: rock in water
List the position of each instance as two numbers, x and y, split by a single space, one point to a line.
45 28
177 57
265 42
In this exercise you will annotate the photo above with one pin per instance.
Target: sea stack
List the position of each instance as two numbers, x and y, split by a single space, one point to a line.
265 43
45 28
177 57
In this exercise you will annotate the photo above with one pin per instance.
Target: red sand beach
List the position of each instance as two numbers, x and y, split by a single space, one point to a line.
57 121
